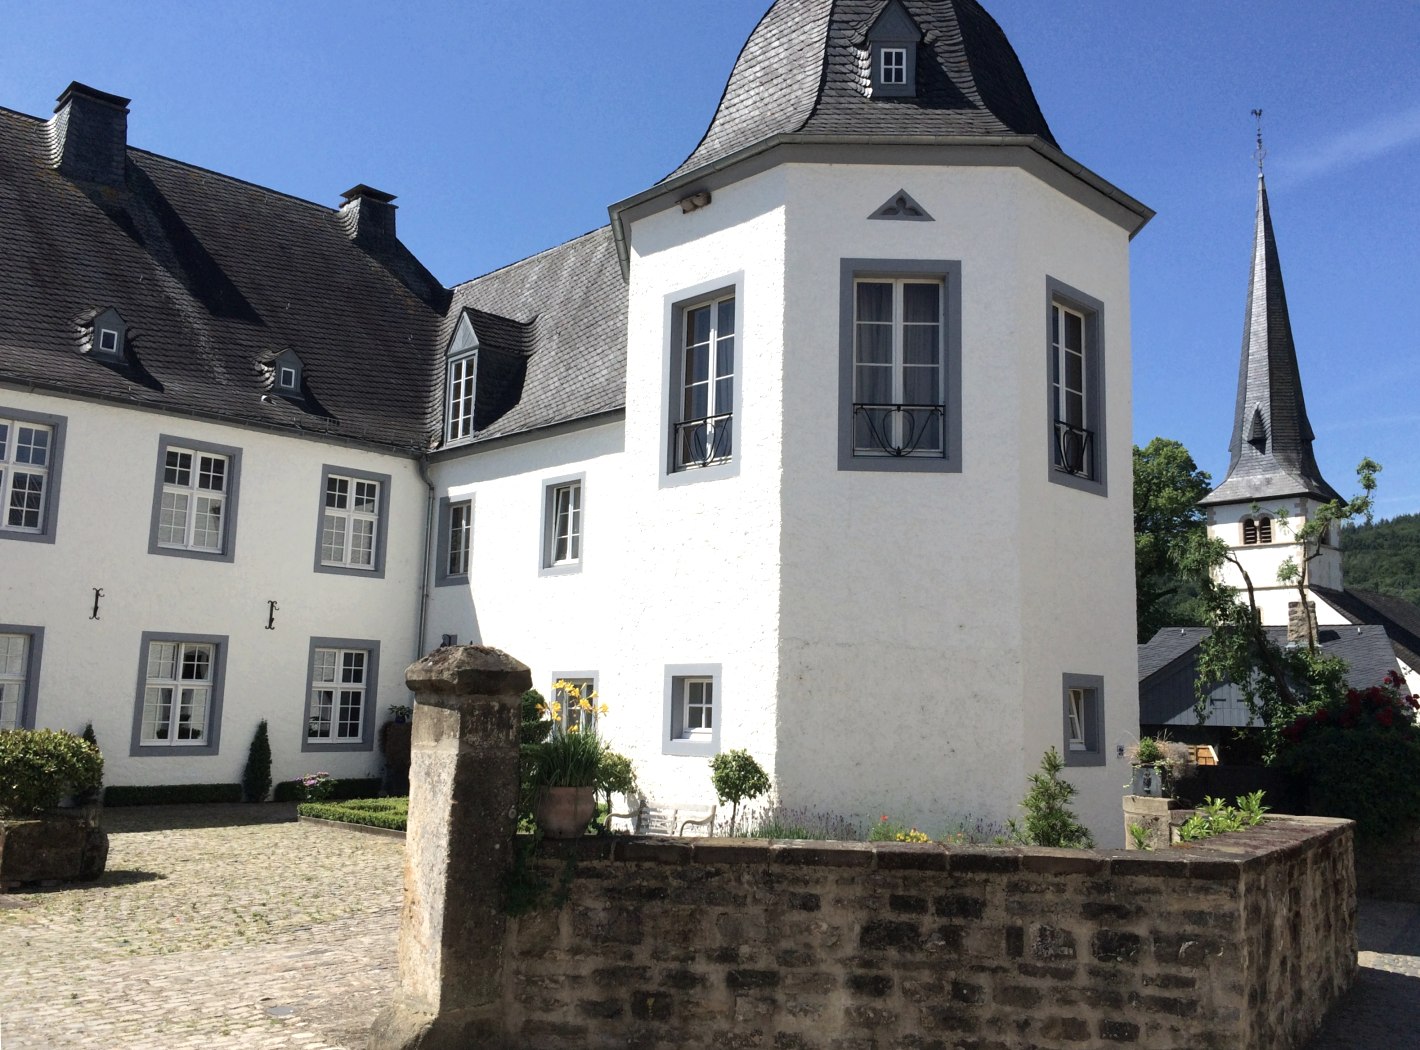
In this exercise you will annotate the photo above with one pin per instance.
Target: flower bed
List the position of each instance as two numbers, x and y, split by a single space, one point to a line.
391 813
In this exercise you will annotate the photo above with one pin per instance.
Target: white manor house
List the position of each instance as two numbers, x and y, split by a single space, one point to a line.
821 448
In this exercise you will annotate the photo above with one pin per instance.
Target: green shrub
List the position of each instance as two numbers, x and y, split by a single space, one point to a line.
256 777
171 794
1358 755
737 777
372 812
1216 817
38 767
1049 820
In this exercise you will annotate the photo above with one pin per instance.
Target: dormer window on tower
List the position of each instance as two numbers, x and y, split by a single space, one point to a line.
892 53
462 381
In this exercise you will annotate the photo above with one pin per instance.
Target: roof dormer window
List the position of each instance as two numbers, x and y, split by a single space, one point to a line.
462 381
286 378
892 50
892 65
283 373
107 334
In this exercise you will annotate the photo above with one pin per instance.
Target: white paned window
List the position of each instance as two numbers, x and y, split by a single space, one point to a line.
1079 713
698 710
14 670
894 65
899 368
460 538
565 524
704 430
193 501
350 523
338 681
462 372
1074 445
25 459
177 695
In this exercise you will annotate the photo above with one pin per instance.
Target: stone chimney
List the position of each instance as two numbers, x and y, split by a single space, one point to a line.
1299 622
89 136
368 217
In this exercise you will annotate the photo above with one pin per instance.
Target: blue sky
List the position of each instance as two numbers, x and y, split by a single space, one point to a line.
505 128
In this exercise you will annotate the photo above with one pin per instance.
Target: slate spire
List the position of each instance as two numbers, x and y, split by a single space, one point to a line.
1272 438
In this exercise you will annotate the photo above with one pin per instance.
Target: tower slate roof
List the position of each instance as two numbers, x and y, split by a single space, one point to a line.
1272 438
802 71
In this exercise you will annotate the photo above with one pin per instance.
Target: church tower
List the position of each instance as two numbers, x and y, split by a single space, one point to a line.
1273 484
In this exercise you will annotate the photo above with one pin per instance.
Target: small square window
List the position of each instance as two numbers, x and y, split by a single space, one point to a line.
893 65
287 378
108 341
1083 697
562 526
693 713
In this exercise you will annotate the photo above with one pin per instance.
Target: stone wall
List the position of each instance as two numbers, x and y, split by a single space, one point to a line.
797 946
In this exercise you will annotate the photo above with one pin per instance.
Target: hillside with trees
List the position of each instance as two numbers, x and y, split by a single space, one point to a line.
1384 556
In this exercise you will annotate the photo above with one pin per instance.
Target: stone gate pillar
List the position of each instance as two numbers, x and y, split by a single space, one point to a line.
463 798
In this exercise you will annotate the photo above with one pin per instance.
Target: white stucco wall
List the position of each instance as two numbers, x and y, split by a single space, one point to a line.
90 667
677 571
929 617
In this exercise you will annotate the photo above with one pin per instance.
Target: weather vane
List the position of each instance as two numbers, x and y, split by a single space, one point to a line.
1261 153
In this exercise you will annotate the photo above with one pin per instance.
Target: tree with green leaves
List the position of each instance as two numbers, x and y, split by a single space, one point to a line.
1167 520
737 777
256 777
1049 820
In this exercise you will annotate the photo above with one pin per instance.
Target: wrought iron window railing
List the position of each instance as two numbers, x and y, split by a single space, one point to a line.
899 430
702 442
1074 450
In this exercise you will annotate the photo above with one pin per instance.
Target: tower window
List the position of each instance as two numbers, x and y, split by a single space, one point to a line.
1256 530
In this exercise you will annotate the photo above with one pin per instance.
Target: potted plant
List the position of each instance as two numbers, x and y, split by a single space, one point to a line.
567 767
42 837
1157 764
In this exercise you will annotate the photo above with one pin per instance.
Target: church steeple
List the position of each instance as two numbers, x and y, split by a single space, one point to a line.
1272 438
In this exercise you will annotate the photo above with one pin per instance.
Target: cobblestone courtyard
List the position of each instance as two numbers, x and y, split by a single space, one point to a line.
232 926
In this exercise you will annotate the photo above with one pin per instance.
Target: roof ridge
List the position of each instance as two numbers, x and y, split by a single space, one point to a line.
332 210
25 116
528 258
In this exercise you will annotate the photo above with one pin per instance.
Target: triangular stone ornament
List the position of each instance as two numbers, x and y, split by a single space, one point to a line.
901 206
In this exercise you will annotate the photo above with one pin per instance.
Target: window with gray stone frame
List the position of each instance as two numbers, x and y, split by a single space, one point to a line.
342 681
21 648
353 526
563 510
1076 389
693 710
900 365
31 456
702 382
178 710
580 710
1082 697
195 495
455 547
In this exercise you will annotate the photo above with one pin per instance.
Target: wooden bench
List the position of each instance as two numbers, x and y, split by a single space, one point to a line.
654 818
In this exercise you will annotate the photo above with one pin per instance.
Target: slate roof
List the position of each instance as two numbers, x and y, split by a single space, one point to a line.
214 276
1168 669
802 72
556 326
1400 618
1272 438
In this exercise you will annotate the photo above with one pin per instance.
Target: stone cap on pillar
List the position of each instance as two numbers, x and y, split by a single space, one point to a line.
468 670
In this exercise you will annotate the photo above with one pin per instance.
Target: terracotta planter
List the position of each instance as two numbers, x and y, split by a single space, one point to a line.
564 812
